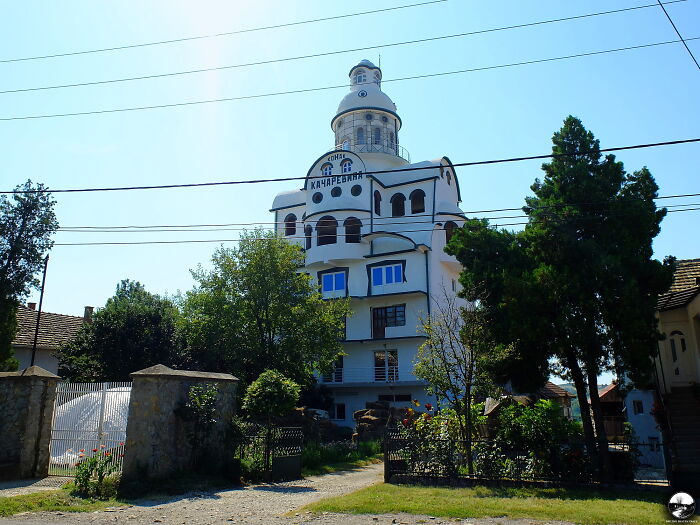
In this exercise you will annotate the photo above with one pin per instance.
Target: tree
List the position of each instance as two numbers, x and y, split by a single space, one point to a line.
255 311
27 222
134 330
271 394
580 278
457 360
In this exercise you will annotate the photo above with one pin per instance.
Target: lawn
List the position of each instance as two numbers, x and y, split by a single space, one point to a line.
53 500
574 505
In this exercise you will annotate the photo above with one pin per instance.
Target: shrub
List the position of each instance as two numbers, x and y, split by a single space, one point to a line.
93 475
271 394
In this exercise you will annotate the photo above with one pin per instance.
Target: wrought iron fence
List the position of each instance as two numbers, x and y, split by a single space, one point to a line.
270 453
410 458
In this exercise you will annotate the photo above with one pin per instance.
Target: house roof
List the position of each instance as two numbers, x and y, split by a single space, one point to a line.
54 329
608 391
552 391
684 287
687 271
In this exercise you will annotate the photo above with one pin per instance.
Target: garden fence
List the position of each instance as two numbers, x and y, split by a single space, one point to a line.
413 459
270 453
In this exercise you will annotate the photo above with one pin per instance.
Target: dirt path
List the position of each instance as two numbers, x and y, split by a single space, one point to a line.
259 504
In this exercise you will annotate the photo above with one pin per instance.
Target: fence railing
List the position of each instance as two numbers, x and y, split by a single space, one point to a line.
410 458
376 374
88 419
270 453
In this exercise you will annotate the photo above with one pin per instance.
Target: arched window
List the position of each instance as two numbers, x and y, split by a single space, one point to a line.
326 231
450 228
377 202
360 135
376 135
676 339
308 231
346 166
352 229
392 141
360 76
398 205
417 199
377 80
449 178
327 169
290 224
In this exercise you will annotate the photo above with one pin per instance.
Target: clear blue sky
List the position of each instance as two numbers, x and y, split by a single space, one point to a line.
630 97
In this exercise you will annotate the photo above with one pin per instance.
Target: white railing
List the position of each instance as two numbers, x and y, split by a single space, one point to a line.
377 374
374 147
88 419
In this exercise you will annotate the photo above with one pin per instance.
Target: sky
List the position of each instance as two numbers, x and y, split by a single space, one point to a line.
629 97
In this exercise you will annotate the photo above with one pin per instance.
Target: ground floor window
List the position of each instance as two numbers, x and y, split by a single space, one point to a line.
337 411
395 398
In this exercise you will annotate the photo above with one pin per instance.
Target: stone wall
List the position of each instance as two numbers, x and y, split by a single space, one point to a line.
158 437
26 410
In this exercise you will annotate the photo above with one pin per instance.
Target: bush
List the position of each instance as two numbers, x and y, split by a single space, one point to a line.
271 394
93 477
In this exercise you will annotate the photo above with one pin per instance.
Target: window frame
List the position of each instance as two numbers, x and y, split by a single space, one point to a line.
397 198
386 263
290 224
335 292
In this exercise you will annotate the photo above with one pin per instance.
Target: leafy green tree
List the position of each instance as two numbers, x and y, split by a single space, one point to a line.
271 394
578 285
27 222
255 311
134 330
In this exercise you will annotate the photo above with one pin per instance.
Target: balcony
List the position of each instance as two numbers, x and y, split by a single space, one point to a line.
378 374
374 147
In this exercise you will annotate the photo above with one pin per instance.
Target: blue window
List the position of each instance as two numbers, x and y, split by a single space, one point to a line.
327 169
333 282
387 274
346 166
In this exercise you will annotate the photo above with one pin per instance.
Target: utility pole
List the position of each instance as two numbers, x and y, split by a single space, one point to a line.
38 316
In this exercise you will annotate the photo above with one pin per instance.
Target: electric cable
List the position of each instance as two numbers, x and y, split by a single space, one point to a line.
678 33
325 54
373 172
216 35
338 86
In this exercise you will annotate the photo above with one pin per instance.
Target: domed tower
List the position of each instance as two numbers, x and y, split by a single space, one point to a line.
366 120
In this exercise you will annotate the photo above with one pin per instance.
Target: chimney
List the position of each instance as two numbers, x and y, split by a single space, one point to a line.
87 316
31 306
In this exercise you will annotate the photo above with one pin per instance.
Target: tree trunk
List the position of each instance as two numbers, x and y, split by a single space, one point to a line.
468 435
580 383
602 439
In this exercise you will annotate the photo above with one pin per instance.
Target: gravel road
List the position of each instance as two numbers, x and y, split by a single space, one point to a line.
257 504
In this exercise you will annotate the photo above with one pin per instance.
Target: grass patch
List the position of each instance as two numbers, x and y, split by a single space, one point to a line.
317 458
576 505
53 500
327 468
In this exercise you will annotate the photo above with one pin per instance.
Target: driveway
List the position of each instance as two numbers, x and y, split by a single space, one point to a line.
257 504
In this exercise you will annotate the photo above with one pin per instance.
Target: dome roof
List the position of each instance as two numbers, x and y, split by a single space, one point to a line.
363 63
370 97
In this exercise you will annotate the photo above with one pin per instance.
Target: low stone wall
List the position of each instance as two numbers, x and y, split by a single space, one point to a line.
26 410
158 437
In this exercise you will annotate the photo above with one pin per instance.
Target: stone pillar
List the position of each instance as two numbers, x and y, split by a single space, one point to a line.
158 437
26 412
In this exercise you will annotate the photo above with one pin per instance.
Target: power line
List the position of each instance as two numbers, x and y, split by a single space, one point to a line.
376 220
189 241
375 172
216 35
678 33
338 86
329 53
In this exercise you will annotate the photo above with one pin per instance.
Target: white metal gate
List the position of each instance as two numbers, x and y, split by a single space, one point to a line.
88 419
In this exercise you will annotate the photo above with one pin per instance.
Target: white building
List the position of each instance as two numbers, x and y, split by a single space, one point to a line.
374 227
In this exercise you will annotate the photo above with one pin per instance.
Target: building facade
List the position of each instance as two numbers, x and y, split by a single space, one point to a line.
373 226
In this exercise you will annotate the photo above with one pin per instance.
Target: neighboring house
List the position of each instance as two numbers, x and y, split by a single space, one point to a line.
634 408
549 391
55 330
377 239
678 369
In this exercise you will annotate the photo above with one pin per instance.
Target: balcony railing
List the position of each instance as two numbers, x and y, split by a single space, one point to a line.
375 147
377 374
